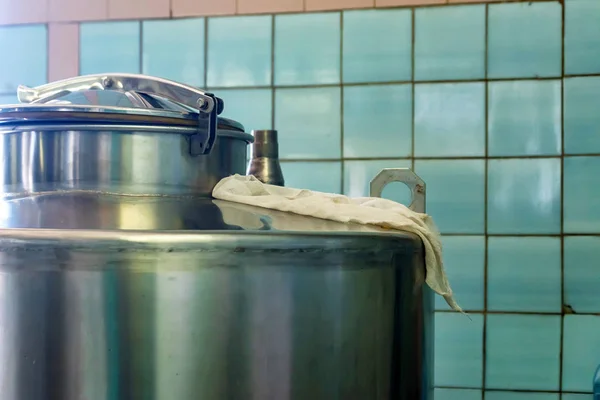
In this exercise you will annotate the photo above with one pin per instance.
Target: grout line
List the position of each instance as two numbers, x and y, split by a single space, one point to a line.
513 312
485 210
78 38
580 75
273 21
562 212
206 51
437 158
170 16
382 83
141 49
511 390
341 61
79 42
401 82
412 89
48 55
387 83
524 235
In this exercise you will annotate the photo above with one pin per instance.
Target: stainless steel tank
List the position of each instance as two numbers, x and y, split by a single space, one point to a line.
121 278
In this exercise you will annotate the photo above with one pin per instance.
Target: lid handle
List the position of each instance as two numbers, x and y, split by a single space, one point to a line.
403 175
207 104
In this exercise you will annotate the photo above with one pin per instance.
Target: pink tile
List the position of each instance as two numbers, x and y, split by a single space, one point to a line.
23 11
63 51
269 6
476 1
134 9
190 8
392 3
317 5
77 10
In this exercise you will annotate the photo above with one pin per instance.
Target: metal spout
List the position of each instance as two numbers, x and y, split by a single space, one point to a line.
264 161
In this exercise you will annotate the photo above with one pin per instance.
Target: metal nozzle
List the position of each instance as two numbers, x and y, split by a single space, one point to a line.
264 161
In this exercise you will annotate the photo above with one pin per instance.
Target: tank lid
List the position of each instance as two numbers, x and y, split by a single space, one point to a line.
121 100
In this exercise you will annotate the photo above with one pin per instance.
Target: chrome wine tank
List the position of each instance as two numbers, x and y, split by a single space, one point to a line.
121 278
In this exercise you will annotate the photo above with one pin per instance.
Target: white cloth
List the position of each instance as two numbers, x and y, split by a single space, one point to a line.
372 211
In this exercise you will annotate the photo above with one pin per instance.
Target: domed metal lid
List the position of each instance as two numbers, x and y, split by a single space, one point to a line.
122 101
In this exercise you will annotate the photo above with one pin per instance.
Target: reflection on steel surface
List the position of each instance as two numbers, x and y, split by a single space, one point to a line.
264 160
121 279
100 314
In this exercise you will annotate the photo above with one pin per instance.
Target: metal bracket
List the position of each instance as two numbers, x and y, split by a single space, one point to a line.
203 141
406 176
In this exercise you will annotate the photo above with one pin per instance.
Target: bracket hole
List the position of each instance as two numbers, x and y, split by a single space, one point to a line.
398 192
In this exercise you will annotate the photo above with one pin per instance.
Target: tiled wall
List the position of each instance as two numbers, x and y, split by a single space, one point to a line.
496 106
59 11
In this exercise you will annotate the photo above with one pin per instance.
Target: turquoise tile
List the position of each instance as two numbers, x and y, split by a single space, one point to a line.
573 396
524 118
109 47
497 395
524 40
358 176
9 99
457 394
523 352
581 352
449 120
581 211
307 49
251 107
378 121
464 258
455 193
582 119
458 350
239 51
174 49
582 273
524 196
449 43
515 280
582 36
377 46
308 121
27 47
321 176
